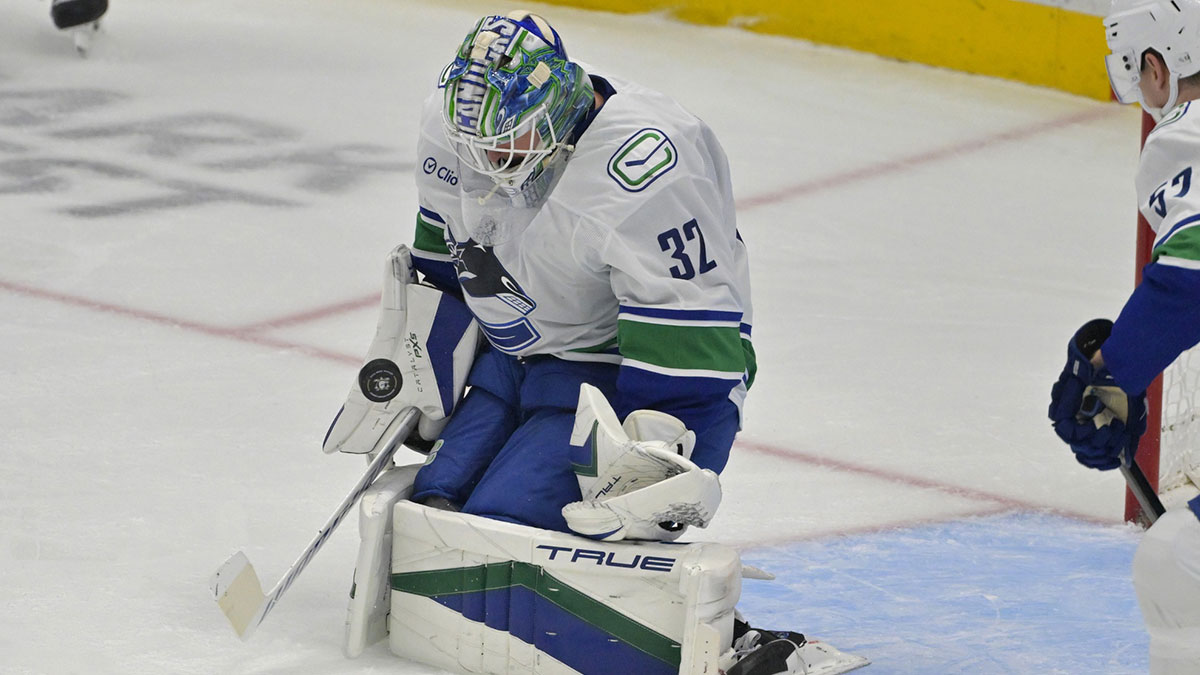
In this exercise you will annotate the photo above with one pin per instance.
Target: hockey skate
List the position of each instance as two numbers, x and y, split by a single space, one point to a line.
79 18
765 652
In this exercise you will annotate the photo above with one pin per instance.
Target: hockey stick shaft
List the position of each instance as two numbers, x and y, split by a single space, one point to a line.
235 584
1141 489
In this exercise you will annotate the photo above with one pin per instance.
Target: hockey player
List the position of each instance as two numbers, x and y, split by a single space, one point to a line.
588 224
1155 61
81 17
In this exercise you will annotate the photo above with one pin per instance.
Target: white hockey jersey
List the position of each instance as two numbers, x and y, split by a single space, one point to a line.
1161 319
1166 195
633 259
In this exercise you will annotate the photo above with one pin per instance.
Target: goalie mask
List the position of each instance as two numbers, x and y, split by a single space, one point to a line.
512 98
1169 27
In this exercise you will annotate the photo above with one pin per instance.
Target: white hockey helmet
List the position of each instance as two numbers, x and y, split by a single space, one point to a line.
1169 27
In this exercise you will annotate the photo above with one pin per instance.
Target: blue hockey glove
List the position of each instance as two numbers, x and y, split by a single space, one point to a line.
1089 411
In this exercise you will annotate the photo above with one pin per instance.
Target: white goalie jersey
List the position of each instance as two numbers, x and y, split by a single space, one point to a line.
634 258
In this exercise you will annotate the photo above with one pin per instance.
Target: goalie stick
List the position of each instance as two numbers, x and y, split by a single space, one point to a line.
235 584
1139 487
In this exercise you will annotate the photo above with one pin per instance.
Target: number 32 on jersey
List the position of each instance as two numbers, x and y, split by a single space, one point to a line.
683 243
1180 185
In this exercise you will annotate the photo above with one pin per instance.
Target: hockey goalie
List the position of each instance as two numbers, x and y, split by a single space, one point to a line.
577 296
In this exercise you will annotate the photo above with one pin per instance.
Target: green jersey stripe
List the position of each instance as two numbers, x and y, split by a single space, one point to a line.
429 237
710 348
607 344
751 362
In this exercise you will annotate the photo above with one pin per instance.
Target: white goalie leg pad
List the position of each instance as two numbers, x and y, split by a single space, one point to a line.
425 342
475 595
370 599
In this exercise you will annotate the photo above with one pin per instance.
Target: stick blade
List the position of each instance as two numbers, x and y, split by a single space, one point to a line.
239 593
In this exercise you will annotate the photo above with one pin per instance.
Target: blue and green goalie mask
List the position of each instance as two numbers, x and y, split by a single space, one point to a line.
512 98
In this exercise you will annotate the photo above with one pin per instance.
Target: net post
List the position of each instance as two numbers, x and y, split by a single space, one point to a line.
1147 456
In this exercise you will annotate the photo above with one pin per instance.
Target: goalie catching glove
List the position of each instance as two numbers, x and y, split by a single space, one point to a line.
636 479
425 343
1090 412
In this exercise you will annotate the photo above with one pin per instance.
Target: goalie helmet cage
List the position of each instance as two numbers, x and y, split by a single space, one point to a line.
1170 449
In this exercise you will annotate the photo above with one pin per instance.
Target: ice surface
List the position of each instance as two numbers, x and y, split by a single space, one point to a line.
192 222
1019 593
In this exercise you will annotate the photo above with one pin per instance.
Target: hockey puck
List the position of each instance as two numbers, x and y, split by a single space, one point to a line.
380 380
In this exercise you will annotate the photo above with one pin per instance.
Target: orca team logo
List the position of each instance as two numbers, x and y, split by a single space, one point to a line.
380 380
483 276
642 159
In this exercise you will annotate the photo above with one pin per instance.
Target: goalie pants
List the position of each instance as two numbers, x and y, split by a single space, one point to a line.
1166 575
505 453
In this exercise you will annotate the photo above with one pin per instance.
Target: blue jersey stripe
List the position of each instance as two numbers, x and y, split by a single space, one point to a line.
682 314
432 215
1178 226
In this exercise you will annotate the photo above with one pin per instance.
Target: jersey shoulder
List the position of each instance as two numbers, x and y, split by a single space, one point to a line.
436 171
1174 141
640 148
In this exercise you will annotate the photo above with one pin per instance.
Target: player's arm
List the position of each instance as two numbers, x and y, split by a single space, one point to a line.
437 198
1162 317
682 326
1160 320
430 255
648 477
684 362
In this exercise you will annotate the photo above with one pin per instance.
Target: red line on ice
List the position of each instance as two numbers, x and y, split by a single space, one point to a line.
313 314
1004 502
873 528
239 334
922 158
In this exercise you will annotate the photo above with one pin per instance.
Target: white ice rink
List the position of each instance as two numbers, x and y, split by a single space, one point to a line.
192 225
